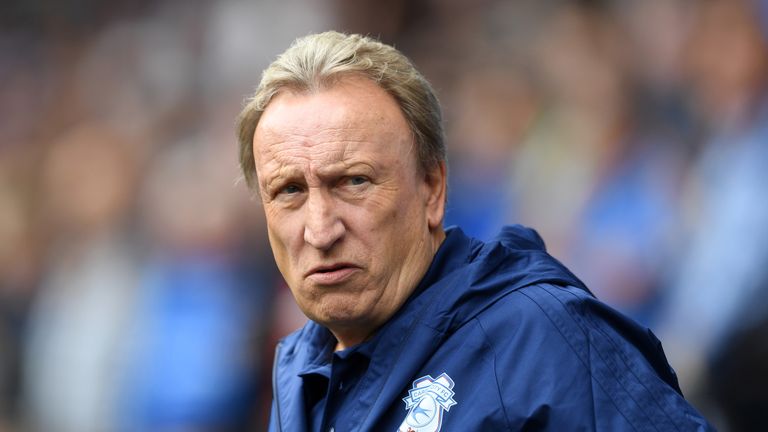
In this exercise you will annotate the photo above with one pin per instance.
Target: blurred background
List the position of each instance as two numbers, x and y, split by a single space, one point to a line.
137 289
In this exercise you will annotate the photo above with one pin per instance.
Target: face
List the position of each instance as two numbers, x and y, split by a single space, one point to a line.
353 221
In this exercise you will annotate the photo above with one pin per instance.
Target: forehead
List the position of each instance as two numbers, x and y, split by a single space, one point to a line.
354 114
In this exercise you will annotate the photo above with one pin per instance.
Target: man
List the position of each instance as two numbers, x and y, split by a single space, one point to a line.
413 328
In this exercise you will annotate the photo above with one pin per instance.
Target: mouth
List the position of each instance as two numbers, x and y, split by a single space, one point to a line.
331 274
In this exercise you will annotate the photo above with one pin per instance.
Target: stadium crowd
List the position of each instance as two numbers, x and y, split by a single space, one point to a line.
137 288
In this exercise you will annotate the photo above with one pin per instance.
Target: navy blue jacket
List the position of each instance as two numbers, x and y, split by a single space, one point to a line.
497 336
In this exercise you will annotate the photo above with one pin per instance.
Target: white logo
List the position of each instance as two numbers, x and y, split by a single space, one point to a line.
425 404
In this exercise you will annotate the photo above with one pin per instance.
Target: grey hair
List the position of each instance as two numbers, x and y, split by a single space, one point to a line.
317 61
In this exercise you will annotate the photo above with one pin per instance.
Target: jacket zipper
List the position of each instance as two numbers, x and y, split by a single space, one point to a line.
274 388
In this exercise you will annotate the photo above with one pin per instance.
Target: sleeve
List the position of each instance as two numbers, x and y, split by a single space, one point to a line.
565 361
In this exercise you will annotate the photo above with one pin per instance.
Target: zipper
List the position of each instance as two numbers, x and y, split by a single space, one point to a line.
275 399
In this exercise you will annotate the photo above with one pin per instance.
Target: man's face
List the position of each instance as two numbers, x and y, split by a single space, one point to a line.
352 220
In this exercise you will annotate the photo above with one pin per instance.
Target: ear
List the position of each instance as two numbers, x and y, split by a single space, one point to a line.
435 184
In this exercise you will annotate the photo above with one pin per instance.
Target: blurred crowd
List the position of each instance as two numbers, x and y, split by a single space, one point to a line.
137 288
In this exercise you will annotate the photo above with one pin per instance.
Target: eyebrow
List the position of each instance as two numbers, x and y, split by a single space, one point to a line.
288 172
341 166
281 174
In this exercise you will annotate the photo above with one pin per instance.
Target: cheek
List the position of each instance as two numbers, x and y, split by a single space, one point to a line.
283 232
395 224
283 226
384 207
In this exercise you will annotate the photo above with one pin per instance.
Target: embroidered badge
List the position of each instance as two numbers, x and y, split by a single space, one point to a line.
425 404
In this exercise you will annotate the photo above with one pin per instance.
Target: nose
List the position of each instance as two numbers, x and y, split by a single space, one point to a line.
323 227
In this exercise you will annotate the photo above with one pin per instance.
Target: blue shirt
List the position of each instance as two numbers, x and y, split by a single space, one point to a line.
331 379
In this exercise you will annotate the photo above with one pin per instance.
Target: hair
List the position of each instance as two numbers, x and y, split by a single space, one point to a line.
318 61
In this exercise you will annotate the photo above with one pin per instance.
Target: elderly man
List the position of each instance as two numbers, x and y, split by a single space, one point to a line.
413 327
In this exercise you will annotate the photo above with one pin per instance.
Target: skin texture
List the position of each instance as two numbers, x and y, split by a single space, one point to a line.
352 220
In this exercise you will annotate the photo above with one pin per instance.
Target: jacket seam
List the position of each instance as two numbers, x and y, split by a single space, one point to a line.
576 352
278 421
631 370
627 363
495 374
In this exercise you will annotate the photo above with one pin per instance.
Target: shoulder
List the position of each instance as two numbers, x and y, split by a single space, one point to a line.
574 352
573 323
567 312
543 309
539 327
289 344
299 347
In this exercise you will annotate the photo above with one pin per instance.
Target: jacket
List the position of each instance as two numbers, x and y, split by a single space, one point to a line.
497 336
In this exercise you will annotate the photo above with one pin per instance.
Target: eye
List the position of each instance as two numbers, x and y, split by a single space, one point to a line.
357 180
290 189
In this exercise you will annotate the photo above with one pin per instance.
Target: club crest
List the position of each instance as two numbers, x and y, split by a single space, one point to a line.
426 402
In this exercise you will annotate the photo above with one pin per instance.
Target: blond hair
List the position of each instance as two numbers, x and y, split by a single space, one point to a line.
317 61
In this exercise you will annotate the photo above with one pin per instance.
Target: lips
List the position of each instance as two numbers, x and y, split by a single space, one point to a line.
331 274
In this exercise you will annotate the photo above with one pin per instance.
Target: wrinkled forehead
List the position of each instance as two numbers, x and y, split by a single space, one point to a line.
353 113
351 102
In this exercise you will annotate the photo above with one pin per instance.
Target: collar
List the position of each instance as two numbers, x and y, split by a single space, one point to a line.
322 353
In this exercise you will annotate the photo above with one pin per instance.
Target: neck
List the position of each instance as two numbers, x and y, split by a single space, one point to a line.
339 347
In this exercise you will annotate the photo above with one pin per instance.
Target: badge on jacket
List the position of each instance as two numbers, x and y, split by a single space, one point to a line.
426 402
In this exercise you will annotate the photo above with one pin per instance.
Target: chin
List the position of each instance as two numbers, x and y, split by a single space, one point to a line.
340 318
335 317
